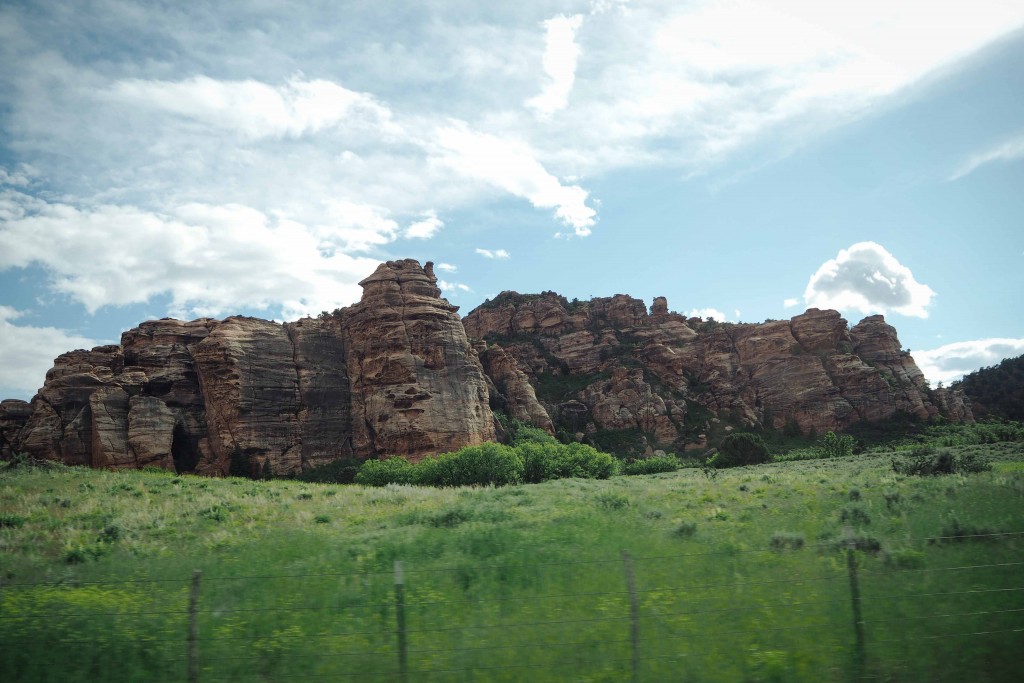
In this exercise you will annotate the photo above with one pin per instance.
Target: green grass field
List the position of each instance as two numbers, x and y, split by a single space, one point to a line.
742 577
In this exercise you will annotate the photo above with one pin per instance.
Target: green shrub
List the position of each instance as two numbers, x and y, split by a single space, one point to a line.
855 515
487 464
835 446
9 521
786 540
659 463
742 449
383 472
685 529
544 461
340 471
926 461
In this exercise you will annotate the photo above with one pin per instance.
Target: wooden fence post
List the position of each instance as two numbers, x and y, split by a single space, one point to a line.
193 627
634 614
403 651
858 620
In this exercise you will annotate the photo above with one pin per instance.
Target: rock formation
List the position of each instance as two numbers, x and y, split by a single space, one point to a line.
397 374
392 375
678 379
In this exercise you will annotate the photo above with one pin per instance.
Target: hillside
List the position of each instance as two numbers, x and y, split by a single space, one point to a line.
400 373
996 391
743 576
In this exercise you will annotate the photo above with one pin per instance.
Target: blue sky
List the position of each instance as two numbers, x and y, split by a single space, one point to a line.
745 159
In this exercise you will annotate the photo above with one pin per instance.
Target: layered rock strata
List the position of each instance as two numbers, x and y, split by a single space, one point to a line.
620 367
393 374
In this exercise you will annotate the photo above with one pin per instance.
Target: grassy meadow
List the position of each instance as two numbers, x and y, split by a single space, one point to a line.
739 576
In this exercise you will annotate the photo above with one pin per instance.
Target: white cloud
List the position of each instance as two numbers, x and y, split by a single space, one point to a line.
790 303
29 351
426 227
1007 151
453 286
707 313
497 253
210 259
513 167
952 361
561 53
869 279
21 177
252 108
446 267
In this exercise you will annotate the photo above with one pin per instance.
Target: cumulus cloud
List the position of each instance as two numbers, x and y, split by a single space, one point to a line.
561 53
1007 151
869 279
707 313
513 167
210 259
952 361
790 303
446 267
29 352
497 253
426 227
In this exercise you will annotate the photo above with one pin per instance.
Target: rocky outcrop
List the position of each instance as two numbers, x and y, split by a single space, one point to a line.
513 393
677 379
417 385
400 374
393 374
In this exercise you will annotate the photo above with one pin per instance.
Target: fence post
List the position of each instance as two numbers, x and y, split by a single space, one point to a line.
634 614
858 620
403 652
193 627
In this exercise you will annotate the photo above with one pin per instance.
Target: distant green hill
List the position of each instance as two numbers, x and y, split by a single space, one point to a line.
996 391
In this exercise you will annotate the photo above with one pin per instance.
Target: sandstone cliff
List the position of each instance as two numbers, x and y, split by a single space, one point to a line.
609 364
393 374
397 374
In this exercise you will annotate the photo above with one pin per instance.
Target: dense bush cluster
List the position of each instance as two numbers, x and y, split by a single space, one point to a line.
659 463
742 449
493 464
925 461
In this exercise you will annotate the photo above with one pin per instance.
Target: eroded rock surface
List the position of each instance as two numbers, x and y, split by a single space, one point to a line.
393 374
677 379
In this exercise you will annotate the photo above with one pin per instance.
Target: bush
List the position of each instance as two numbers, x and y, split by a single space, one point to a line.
835 446
926 462
786 540
340 471
659 463
544 461
486 464
383 472
742 449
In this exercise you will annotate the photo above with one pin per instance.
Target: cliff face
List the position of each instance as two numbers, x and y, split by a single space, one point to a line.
393 374
608 364
396 374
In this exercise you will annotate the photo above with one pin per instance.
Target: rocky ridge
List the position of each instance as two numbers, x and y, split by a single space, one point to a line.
400 374
610 364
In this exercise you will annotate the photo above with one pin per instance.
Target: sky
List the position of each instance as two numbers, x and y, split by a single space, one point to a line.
747 160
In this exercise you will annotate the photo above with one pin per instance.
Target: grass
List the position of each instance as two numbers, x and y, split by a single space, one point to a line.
740 577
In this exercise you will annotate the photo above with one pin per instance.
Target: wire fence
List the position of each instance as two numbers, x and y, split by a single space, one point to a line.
688 616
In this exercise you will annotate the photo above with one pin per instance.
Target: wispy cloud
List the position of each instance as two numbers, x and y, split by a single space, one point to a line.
869 279
453 286
790 303
561 54
1010 150
952 361
497 253
446 267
